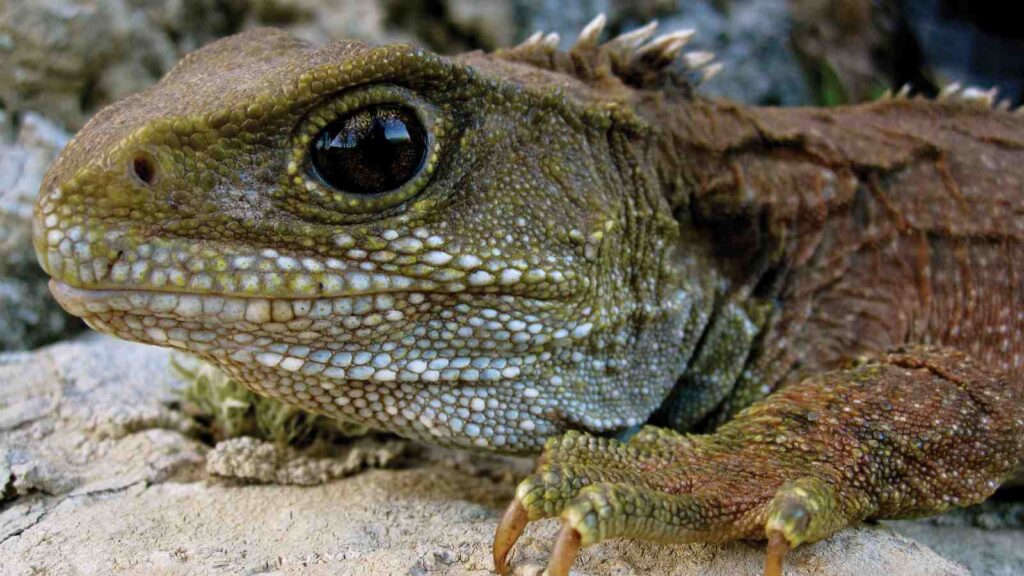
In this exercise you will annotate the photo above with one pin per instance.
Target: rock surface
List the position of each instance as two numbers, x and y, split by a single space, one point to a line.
28 315
751 40
99 475
67 58
988 552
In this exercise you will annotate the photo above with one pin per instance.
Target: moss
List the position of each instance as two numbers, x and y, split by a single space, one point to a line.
828 87
222 408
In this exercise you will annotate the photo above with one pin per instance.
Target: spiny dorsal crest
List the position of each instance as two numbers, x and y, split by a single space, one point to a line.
636 58
959 95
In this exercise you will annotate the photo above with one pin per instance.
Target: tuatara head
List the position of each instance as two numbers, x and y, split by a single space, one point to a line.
475 250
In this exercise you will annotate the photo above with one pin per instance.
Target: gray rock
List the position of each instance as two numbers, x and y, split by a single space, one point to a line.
425 520
956 46
107 480
321 21
23 162
566 17
750 39
982 552
489 22
988 539
27 313
90 415
67 58
6 477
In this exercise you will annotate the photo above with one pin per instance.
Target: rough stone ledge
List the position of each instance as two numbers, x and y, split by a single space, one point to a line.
99 476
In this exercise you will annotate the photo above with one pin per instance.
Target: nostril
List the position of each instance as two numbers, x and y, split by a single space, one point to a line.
144 169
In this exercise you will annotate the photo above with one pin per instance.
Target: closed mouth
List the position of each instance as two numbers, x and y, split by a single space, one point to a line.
63 291
87 302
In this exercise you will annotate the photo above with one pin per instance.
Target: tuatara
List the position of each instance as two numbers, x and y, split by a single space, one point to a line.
538 249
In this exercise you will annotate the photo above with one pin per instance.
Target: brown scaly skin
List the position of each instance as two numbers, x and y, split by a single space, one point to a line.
832 295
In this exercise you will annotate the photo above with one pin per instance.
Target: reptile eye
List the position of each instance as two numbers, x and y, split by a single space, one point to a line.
365 153
370 151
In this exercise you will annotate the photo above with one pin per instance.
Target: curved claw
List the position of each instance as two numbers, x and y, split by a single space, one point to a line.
511 527
567 547
778 546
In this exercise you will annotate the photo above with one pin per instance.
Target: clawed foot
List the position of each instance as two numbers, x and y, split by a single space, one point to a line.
663 487
563 555
804 463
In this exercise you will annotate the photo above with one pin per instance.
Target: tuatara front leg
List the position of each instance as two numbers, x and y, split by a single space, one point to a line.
911 432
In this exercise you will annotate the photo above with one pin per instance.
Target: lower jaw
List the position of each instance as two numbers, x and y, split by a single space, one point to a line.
236 334
360 401
415 416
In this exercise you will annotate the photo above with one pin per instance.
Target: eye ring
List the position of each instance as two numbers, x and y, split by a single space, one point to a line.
308 194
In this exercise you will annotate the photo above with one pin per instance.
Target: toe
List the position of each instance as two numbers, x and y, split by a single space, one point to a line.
619 510
567 547
510 528
805 510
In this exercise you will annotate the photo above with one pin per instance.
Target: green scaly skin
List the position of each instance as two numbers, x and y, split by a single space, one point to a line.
587 247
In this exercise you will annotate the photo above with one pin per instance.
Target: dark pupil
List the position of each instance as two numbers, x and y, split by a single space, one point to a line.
370 151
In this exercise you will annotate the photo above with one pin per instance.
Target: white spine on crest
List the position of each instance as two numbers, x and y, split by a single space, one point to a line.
591 33
694 60
667 46
636 37
534 38
634 50
551 41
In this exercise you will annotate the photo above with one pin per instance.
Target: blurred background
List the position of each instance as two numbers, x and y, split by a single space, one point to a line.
61 60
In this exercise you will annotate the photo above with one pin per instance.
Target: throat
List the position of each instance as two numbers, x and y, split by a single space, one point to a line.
716 368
